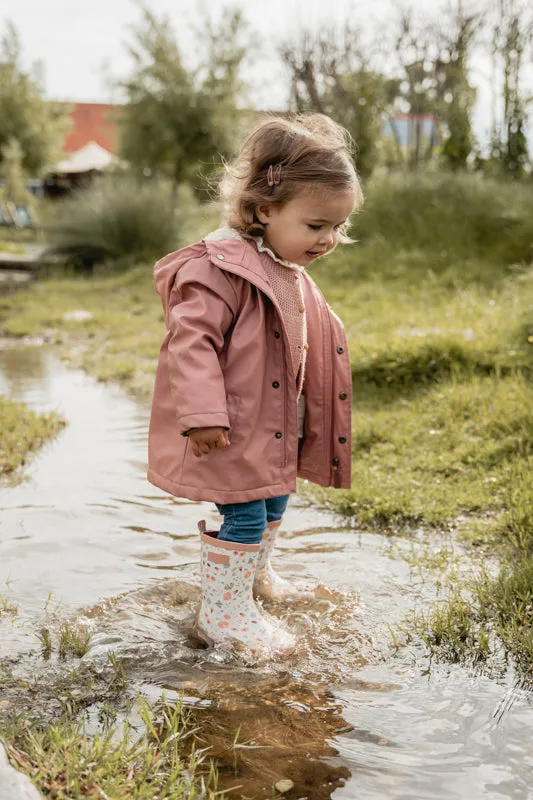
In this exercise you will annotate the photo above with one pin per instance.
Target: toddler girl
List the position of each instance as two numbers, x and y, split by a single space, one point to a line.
253 385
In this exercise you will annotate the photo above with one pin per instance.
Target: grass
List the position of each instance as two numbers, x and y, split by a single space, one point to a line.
437 299
46 736
22 432
72 641
123 762
114 219
7 607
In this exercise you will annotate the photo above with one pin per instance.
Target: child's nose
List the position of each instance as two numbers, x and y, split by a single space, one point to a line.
327 239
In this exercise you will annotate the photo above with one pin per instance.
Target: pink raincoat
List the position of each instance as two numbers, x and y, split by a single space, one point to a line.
226 361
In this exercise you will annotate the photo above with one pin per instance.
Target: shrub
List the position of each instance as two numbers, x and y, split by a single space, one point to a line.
117 219
460 215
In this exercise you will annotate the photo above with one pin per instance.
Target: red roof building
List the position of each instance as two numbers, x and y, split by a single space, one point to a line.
92 122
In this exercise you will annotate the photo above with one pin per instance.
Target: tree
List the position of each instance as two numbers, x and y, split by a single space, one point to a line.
38 125
455 96
433 69
15 188
175 118
416 51
512 36
329 73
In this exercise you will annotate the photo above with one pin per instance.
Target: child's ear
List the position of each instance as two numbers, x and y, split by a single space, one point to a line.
263 214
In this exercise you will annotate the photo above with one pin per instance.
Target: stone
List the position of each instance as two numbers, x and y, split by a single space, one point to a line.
14 785
284 785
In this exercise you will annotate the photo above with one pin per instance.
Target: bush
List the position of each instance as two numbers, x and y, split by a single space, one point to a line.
459 215
117 219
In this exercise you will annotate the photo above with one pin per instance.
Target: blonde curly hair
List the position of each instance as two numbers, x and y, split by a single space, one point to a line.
306 152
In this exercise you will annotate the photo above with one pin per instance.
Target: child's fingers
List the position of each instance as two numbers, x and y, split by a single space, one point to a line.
222 439
195 449
199 448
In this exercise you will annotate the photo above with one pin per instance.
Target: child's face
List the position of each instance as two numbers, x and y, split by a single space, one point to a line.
308 225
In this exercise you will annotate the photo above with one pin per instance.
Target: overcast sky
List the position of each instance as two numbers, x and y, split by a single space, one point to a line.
81 45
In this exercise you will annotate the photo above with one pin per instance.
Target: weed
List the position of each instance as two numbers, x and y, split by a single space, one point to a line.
73 640
7 608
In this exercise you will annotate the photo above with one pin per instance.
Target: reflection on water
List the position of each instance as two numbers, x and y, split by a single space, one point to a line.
346 716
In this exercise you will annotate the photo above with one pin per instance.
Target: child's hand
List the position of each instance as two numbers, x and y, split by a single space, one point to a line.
205 439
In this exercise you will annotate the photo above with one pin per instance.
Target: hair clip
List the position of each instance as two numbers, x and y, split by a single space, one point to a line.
274 175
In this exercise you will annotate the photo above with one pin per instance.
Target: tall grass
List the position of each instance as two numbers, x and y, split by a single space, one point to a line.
448 217
117 219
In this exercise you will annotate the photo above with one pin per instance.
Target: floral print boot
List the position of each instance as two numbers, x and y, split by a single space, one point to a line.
228 610
268 583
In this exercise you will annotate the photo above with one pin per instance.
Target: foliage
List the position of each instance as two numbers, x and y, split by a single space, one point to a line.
118 217
176 118
333 72
456 95
330 74
447 217
15 189
512 37
433 60
38 125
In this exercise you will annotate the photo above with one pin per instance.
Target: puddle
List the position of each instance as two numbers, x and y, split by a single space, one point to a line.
347 717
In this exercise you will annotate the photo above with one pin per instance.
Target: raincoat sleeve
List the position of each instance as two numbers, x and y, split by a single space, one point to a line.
203 311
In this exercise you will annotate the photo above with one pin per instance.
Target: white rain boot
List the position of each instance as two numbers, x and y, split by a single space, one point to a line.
227 609
268 584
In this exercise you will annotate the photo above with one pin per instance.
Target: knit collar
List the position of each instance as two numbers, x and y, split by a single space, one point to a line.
226 232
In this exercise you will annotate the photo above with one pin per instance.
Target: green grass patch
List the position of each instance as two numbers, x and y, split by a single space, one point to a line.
144 762
79 732
22 432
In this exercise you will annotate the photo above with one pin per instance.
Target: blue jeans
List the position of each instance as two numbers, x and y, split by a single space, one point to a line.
246 522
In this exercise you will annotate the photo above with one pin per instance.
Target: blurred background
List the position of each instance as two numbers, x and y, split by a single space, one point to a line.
161 90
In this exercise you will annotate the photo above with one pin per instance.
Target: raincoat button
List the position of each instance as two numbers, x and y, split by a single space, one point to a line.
221 256
336 462
275 385
340 349
277 334
306 346
301 309
342 439
279 435
343 395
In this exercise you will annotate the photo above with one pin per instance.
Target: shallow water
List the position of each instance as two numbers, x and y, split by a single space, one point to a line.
348 717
